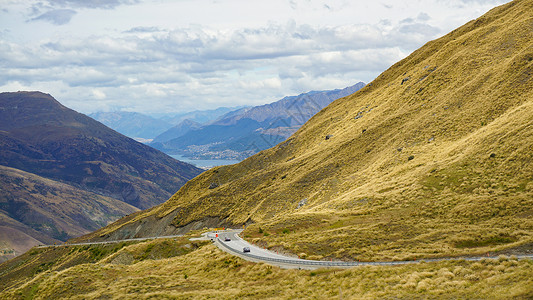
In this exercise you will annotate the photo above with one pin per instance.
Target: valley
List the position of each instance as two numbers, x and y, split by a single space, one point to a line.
417 185
62 174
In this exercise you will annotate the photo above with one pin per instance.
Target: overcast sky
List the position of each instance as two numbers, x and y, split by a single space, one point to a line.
170 56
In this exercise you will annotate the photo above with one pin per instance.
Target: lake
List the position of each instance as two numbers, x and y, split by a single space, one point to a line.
206 163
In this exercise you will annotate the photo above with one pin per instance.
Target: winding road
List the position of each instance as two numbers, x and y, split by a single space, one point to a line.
235 245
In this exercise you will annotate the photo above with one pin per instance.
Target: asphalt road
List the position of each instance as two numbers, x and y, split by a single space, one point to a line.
257 254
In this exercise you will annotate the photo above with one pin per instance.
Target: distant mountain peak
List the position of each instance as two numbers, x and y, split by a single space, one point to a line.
243 132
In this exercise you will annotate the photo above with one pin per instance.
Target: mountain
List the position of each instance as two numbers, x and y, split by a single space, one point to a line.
132 124
40 136
199 116
62 174
145 128
176 131
35 210
244 132
433 158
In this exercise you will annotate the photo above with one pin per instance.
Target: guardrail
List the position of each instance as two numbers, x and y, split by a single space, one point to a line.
352 264
112 242
310 262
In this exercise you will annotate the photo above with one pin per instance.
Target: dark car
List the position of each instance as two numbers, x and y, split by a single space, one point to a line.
227 239
246 249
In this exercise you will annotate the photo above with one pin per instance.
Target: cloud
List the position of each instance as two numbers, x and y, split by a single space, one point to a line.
467 3
423 17
56 16
143 29
60 12
293 4
201 65
100 4
99 94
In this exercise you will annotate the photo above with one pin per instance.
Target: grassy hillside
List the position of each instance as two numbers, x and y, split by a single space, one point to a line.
35 210
433 158
194 270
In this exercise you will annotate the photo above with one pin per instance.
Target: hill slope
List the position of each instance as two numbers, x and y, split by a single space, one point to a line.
35 210
433 158
244 132
40 136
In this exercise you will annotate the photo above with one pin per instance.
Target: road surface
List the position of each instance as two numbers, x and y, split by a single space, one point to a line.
257 254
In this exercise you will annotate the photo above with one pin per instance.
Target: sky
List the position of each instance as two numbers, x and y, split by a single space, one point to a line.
162 56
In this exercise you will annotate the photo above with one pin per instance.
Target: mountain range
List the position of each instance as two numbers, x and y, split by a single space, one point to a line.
244 132
145 128
64 174
132 124
199 116
431 159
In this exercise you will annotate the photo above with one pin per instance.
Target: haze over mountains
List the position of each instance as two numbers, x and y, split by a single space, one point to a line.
132 124
244 132
64 174
144 128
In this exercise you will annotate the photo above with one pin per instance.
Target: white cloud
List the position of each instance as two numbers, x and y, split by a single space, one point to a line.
161 55
56 16
99 94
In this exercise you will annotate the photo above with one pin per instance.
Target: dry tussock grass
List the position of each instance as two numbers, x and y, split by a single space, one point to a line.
208 273
439 164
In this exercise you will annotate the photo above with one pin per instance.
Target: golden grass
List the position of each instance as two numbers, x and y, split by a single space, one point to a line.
439 164
208 273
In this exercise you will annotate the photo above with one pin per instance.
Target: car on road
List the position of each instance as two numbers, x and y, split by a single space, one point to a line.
227 239
246 249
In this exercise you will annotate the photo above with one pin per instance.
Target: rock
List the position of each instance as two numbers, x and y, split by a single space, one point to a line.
329 136
411 157
302 203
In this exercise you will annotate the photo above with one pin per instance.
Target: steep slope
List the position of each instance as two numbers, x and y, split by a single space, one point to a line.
132 124
40 136
433 158
36 210
244 132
